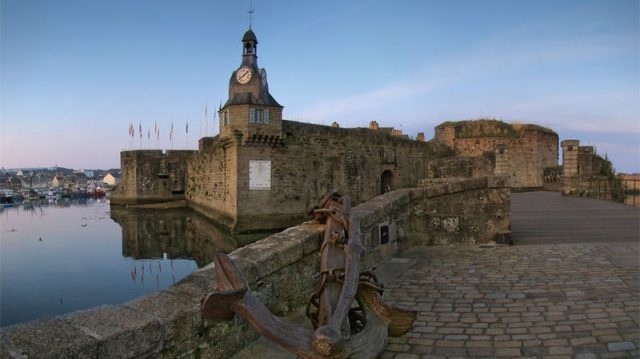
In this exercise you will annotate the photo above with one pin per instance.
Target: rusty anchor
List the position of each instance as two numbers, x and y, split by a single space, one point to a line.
349 316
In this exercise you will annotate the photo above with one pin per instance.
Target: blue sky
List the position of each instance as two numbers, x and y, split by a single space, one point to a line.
76 73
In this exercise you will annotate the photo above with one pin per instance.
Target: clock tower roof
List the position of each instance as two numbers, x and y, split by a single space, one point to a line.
249 36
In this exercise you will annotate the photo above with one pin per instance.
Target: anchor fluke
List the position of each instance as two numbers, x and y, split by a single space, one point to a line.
230 289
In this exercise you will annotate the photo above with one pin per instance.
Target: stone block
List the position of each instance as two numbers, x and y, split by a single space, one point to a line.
309 236
120 331
180 315
248 267
198 284
51 338
272 253
497 181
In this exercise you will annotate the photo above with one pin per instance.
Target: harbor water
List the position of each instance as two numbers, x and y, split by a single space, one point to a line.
70 255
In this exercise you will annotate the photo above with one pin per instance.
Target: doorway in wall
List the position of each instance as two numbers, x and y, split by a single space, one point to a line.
386 181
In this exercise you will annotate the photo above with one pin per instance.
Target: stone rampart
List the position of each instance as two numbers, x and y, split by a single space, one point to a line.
477 166
211 181
151 176
280 269
586 174
309 159
522 151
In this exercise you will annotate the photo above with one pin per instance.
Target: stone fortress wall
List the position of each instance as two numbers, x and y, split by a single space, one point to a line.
586 174
309 160
521 152
151 176
211 180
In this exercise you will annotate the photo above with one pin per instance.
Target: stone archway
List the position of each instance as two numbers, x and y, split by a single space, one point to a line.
386 181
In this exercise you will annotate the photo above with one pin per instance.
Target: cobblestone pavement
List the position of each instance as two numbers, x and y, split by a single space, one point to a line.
550 301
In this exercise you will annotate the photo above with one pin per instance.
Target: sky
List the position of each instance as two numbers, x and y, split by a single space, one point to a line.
75 74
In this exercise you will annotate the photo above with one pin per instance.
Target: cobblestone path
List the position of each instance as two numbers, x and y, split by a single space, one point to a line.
568 288
551 301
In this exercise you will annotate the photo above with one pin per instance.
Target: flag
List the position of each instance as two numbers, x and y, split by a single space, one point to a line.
140 130
187 127
155 128
148 134
171 132
130 129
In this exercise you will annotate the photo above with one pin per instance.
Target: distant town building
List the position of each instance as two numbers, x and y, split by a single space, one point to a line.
109 179
57 182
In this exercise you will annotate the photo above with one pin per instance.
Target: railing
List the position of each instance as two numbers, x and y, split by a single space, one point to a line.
600 188
631 191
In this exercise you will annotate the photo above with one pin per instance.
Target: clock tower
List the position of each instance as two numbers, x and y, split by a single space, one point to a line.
250 114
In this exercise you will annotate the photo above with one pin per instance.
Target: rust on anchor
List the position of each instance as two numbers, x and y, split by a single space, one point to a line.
349 316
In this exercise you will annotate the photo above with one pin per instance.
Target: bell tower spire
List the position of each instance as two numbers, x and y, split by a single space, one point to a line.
250 43
249 49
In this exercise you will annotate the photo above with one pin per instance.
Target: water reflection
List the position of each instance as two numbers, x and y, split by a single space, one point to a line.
62 256
170 234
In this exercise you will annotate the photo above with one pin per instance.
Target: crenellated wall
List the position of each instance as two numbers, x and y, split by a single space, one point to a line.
281 270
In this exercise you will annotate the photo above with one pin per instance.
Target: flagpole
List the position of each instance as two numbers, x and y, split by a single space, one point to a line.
171 135
206 119
131 134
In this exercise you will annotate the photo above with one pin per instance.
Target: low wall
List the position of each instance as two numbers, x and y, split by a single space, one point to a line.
281 270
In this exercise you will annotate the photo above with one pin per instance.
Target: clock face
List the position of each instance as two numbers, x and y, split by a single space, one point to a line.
243 75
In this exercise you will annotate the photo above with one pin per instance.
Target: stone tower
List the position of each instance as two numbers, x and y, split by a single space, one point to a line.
570 158
250 114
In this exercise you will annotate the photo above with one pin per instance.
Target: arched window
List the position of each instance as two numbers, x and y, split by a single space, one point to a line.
248 49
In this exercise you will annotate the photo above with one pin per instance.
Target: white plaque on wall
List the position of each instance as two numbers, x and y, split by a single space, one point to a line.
259 175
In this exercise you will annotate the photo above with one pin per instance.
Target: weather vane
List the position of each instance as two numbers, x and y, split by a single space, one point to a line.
250 12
